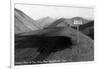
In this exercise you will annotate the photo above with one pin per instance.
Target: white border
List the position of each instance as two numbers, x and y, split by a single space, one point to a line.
12 36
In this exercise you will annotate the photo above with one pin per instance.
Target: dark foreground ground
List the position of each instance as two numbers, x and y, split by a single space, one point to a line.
31 49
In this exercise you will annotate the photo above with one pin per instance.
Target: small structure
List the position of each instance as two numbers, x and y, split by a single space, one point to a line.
77 21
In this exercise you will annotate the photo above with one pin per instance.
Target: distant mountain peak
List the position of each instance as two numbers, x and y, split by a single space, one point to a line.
45 21
47 17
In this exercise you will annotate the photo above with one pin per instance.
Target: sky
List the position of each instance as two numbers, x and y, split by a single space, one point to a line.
39 11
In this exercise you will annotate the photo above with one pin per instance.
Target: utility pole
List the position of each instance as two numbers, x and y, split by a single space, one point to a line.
77 34
78 23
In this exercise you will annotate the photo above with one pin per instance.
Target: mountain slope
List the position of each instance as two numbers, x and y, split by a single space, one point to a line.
67 21
82 51
43 22
24 23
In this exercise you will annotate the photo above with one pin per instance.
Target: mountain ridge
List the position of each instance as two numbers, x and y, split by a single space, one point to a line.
24 22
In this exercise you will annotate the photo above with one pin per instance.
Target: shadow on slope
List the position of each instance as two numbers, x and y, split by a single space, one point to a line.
45 45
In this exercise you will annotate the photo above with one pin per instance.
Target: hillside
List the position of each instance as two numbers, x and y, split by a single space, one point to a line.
82 51
23 23
43 22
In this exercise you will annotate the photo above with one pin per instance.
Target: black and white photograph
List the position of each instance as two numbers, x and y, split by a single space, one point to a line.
45 34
